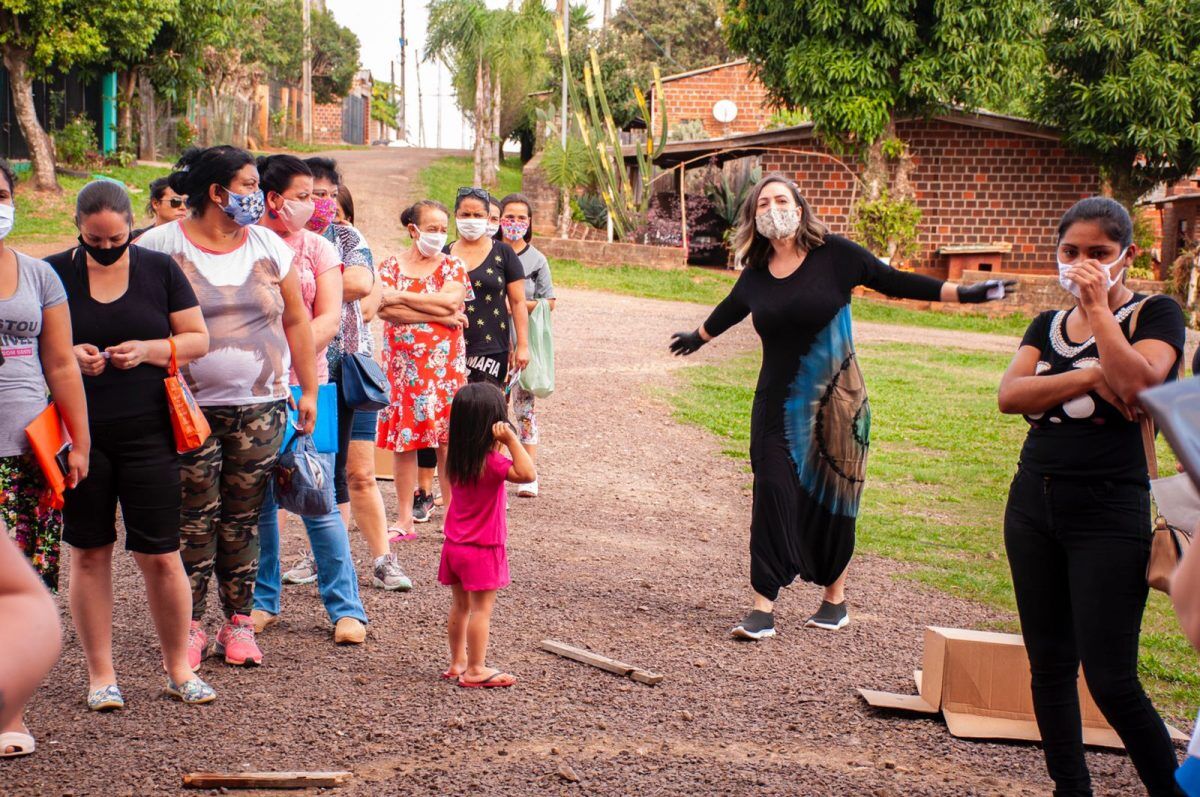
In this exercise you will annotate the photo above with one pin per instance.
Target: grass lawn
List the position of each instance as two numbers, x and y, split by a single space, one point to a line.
49 218
708 286
441 180
941 461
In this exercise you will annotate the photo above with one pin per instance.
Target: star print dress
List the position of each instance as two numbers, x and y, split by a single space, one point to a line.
488 337
426 365
811 421
1085 435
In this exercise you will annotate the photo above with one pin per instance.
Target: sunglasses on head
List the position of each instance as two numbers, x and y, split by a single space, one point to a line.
478 193
176 201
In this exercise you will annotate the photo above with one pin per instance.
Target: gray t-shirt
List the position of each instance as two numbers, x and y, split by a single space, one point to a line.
22 386
537 274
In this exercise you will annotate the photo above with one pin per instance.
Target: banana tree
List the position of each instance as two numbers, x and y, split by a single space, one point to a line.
627 204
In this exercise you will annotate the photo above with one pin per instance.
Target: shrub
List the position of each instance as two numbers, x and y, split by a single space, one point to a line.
888 227
75 144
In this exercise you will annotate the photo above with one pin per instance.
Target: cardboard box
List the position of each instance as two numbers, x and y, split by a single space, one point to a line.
979 681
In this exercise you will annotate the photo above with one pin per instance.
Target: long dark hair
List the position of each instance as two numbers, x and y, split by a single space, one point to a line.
198 170
346 202
477 407
751 248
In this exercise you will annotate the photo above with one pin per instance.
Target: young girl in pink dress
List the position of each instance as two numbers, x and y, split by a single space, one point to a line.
474 561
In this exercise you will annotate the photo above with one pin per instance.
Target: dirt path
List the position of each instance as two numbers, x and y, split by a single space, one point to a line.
637 549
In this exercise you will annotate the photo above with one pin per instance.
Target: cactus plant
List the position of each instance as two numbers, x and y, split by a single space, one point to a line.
626 205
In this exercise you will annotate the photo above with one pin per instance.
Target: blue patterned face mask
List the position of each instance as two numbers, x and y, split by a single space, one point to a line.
244 209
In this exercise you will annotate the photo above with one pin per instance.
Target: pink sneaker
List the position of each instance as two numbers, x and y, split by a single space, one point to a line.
197 647
235 641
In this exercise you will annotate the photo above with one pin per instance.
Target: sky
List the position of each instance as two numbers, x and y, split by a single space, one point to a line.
377 25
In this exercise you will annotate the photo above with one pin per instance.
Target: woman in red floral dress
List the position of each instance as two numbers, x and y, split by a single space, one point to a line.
423 295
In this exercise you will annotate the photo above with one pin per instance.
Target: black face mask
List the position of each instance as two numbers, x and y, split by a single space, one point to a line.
106 257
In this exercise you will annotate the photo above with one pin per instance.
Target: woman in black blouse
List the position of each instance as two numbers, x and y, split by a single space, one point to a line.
810 423
1077 524
127 305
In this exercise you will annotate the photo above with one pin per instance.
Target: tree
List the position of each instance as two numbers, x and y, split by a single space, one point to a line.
279 50
35 39
384 109
1123 86
856 66
618 71
679 35
130 30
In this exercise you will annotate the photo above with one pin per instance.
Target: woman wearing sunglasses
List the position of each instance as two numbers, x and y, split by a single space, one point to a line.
165 206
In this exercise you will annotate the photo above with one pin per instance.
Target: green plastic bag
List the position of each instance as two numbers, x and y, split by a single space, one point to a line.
538 376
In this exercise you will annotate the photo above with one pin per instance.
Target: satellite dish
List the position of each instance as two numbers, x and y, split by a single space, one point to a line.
724 111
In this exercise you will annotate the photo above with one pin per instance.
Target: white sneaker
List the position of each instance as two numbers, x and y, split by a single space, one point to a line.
528 490
303 572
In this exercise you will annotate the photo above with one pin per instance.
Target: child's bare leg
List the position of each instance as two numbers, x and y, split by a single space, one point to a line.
478 629
456 631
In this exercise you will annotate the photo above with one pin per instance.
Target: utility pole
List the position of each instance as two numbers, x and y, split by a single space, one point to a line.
392 91
403 122
420 110
564 199
306 76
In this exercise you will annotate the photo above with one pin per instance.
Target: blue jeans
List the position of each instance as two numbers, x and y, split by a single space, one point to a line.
336 579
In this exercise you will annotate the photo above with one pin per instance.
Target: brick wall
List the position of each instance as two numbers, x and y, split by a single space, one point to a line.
601 253
693 98
973 186
327 123
542 196
1035 293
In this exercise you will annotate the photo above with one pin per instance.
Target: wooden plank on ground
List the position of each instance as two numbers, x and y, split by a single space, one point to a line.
265 780
602 662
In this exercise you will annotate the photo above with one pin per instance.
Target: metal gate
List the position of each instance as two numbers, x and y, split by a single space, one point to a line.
354 111
56 99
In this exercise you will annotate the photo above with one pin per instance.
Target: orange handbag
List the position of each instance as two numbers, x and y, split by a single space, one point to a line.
50 443
187 419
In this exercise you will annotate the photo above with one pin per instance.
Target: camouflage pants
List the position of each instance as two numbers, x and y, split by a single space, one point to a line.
224 482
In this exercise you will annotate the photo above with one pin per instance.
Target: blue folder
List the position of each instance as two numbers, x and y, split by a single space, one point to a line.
325 432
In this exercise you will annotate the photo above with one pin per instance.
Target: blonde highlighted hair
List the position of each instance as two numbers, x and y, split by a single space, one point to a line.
751 248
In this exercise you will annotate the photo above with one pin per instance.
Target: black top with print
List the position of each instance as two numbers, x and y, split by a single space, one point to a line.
1086 436
488 331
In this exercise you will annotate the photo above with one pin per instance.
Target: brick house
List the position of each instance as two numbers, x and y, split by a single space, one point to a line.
690 97
991 188
348 120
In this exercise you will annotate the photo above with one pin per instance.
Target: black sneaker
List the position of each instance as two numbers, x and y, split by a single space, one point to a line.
422 507
757 625
831 616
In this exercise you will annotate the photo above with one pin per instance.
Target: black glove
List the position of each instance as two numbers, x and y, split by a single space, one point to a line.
986 291
686 342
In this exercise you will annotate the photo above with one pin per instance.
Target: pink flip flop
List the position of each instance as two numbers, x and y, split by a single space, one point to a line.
397 534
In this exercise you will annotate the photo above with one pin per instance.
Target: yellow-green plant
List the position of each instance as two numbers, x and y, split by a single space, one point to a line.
602 140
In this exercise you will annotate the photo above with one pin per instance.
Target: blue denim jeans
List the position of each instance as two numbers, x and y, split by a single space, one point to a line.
336 578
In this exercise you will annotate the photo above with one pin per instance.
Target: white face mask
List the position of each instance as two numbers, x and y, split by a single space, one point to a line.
778 223
471 229
493 228
430 243
1070 286
7 214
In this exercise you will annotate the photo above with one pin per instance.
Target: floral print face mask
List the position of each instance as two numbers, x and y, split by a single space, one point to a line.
778 223
244 209
324 212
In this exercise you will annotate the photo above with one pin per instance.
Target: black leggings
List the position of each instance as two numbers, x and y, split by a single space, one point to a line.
427 458
345 421
1078 551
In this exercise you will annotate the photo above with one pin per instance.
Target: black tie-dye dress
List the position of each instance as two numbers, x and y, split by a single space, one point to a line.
811 421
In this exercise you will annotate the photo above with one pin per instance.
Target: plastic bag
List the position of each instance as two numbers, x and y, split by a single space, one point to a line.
304 479
538 376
